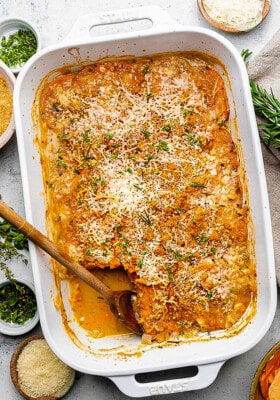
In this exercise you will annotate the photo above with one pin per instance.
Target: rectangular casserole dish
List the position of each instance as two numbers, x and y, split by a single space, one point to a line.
121 358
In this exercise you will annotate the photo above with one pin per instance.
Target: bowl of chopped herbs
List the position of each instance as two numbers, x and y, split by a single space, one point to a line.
18 306
19 41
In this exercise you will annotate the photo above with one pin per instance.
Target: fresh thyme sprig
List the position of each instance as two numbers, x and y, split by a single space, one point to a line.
266 106
11 241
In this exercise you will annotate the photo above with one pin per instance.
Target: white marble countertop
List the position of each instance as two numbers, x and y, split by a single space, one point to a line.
54 19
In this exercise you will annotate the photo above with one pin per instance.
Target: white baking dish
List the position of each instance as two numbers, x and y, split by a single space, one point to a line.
121 358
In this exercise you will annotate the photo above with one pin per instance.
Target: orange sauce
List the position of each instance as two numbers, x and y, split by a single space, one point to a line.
91 310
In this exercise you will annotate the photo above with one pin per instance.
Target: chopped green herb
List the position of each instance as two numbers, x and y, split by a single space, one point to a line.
178 256
146 69
145 217
196 184
17 48
137 187
56 107
149 95
146 133
116 155
193 140
88 252
162 146
86 136
60 163
109 135
201 239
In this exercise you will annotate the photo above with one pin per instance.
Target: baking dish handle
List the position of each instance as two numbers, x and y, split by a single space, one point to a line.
84 24
206 375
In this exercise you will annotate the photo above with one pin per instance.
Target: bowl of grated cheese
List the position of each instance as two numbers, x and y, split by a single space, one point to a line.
234 16
37 373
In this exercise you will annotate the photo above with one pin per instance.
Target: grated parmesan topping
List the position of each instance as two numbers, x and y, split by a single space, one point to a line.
235 13
141 172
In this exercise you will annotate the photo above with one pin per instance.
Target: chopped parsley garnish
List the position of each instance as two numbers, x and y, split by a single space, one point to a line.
17 48
162 146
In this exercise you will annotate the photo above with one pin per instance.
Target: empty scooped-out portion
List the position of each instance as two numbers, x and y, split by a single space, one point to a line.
141 172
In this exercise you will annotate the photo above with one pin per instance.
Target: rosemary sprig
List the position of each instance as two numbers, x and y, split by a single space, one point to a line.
266 106
245 54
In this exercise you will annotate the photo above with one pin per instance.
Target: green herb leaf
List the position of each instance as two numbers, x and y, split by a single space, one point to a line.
162 146
145 217
196 184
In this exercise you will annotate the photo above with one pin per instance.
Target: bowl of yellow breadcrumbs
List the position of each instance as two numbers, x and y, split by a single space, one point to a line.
7 123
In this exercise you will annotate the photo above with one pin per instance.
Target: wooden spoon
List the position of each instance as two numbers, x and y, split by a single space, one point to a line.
120 302
227 28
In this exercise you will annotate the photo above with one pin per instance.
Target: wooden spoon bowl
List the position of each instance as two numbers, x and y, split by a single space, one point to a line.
120 302
227 28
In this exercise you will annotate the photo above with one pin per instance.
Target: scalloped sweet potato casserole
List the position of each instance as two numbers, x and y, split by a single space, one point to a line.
141 172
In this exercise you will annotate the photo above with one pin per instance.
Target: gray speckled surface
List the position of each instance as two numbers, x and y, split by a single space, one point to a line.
54 20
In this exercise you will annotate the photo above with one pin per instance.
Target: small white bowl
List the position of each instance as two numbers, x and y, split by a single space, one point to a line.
11 25
10 79
12 329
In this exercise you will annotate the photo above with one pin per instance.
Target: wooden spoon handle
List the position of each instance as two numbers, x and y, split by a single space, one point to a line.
49 247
